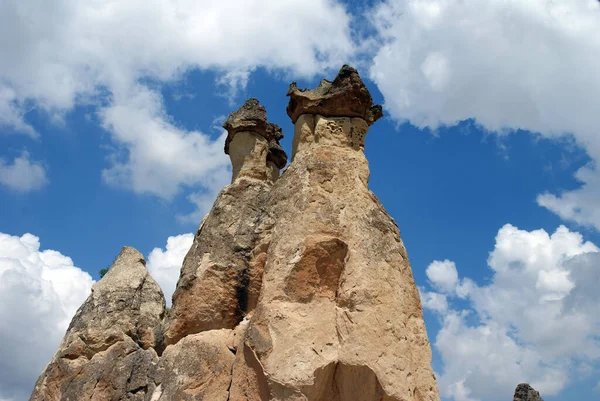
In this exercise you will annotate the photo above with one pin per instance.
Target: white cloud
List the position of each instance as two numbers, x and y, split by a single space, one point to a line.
41 290
513 329
105 52
579 205
160 157
434 301
165 265
23 174
11 113
508 64
443 275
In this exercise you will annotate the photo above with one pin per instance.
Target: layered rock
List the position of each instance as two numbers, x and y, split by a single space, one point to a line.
109 350
339 316
524 392
222 273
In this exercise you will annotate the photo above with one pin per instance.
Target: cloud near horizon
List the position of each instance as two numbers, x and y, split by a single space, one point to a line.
41 290
512 330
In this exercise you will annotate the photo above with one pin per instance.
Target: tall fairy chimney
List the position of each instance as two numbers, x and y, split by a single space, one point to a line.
217 286
339 316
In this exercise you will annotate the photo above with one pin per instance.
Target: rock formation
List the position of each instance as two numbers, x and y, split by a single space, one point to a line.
222 273
110 347
217 287
524 392
339 315
296 288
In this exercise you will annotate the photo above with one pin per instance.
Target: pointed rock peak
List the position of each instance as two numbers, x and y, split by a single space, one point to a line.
346 96
251 117
129 254
524 392
130 261
126 300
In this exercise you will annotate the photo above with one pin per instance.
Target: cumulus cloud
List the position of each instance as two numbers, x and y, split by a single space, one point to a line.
112 54
41 290
508 64
22 174
513 329
161 157
434 301
165 265
443 275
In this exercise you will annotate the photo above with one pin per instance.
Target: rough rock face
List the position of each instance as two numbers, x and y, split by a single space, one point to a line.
222 273
198 367
339 316
524 392
296 288
109 350
346 96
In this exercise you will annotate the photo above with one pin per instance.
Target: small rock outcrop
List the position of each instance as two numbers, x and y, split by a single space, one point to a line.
524 392
296 287
110 348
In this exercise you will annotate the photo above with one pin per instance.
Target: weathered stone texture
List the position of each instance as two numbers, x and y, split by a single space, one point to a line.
196 368
524 392
346 96
339 316
108 351
296 288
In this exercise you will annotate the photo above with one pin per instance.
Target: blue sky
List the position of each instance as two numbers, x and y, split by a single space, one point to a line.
110 121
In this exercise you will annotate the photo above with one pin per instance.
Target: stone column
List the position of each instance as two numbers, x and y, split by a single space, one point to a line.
339 316
218 285
221 275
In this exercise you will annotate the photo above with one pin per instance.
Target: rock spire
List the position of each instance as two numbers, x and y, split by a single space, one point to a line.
296 288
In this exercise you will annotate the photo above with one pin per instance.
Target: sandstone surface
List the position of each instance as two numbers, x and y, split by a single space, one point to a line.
109 349
198 367
296 287
339 316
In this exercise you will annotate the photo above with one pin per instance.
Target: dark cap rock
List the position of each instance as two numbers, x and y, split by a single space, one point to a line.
252 117
346 96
